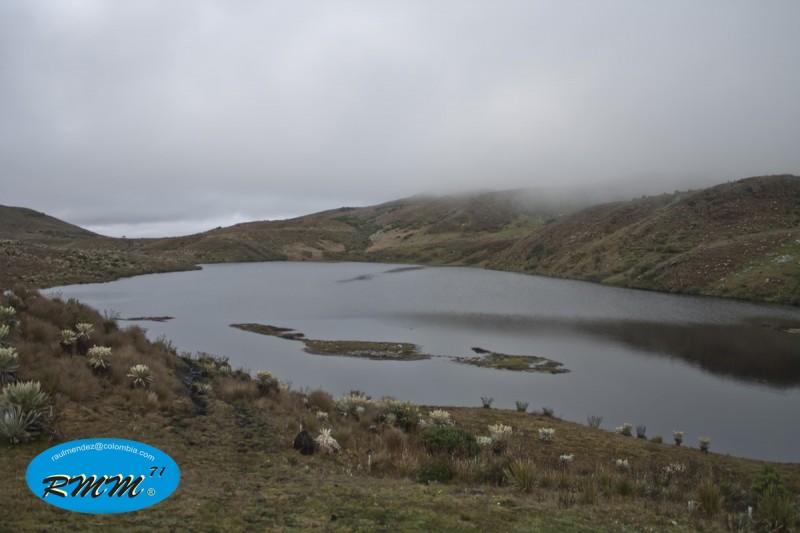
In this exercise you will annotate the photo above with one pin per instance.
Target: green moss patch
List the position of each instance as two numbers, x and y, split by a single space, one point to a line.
395 351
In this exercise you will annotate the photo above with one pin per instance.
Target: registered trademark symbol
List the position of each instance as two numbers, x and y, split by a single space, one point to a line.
151 492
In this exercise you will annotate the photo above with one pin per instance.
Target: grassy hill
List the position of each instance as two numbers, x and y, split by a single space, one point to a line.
739 239
40 251
23 224
232 435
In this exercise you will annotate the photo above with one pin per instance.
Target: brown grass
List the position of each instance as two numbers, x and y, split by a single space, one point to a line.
321 400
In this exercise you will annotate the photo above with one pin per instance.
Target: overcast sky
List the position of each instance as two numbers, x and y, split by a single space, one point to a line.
168 117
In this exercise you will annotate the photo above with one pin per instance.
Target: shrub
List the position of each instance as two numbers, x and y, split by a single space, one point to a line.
9 365
110 321
499 432
140 376
624 486
84 332
28 395
641 431
202 388
407 416
624 429
212 365
499 435
8 315
547 434
321 400
353 404
775 509
394 439
98 358
548 412
657 439
673 470
406 464
235 390
16 424
521 406
594 421
483 442
487 402
267 382
439 470
521 475
450 441
767 478
439 418
68 339
709 496
326 443
163 343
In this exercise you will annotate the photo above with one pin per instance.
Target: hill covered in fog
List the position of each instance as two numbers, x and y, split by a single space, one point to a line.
739 239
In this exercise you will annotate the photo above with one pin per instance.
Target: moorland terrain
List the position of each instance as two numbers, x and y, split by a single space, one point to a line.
381 464
739 239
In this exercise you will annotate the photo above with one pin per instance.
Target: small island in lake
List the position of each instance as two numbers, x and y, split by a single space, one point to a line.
520 363
382 351
405 351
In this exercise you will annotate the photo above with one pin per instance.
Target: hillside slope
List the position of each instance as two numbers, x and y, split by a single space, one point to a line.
19 223
739 239
39 250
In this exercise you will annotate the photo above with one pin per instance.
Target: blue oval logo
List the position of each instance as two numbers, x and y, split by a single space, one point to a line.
103 476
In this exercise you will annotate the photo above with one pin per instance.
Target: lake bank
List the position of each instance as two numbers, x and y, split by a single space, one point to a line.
628 351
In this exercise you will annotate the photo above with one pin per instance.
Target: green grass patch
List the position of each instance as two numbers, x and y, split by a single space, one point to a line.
393 351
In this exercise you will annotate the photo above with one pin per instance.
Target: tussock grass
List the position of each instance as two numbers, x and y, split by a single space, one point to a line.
321 400
235 390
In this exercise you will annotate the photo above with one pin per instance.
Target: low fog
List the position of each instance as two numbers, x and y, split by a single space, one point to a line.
163 118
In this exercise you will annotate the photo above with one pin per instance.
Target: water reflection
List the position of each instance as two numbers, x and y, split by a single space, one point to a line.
722 349
754 352
701 365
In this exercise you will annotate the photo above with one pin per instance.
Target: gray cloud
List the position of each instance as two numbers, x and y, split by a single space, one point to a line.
128 115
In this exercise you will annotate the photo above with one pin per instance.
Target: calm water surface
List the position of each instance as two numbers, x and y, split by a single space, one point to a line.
705 366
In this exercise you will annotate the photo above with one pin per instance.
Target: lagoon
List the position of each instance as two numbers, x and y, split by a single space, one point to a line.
712 367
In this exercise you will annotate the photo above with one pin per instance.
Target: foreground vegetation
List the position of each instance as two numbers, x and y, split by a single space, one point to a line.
379 464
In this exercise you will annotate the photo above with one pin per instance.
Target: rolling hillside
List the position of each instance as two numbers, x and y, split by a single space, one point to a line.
739 239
